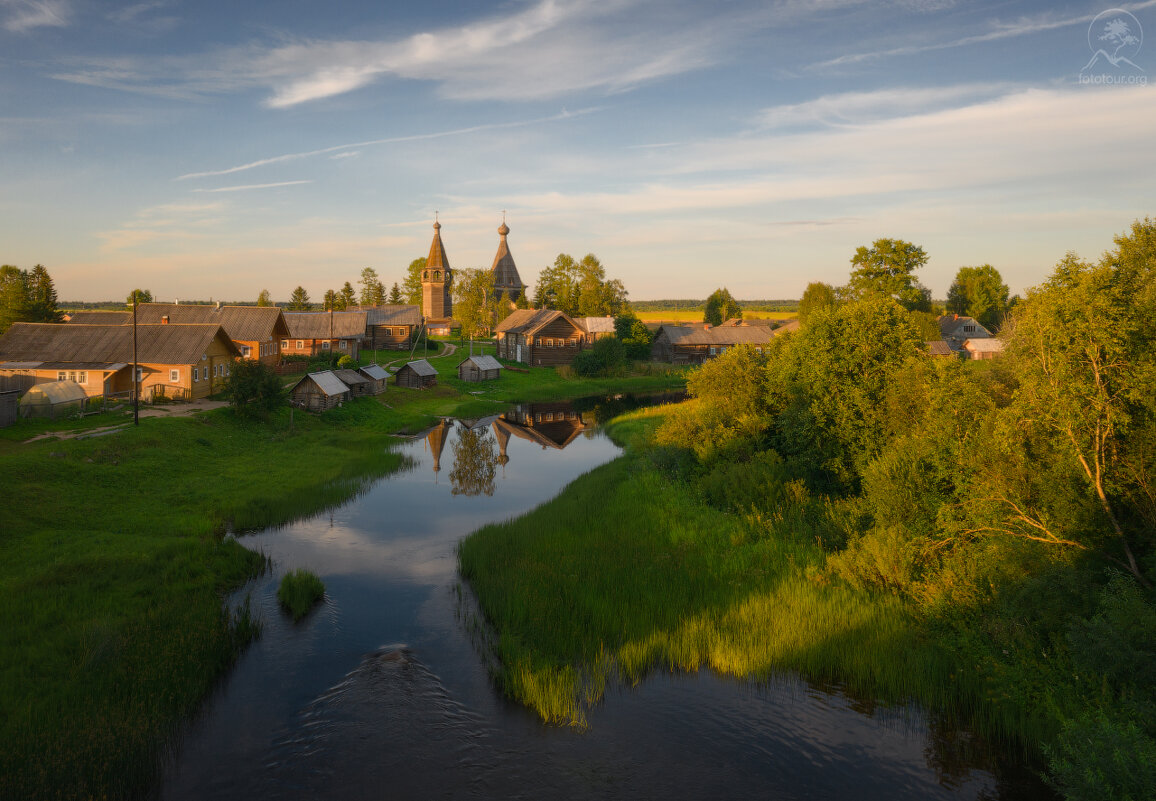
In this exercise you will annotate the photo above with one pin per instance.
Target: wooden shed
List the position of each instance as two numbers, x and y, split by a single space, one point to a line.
9 404
419 375
317 392
377 375
358 384
479 368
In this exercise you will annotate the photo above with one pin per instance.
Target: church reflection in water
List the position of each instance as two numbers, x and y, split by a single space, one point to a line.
480 445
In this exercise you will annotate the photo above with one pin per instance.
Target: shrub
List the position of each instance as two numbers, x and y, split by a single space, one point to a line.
253 389
299 591
345 362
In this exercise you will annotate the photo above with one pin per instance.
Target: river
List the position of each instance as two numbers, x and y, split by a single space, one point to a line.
380 692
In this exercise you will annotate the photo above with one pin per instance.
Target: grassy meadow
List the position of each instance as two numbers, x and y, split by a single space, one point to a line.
113 563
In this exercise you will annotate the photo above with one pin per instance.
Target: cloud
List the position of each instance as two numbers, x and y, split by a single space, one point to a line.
562 115
24 15
253 186
855 108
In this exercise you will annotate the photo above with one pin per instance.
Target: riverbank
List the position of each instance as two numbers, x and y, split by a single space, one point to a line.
113 568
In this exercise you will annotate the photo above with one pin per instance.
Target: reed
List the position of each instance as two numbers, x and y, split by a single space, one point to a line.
299 591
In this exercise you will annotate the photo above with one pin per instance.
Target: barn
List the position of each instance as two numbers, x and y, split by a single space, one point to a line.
317 392
418 375
377 375
358 384
479 368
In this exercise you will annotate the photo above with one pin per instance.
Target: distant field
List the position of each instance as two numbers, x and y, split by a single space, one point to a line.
694 316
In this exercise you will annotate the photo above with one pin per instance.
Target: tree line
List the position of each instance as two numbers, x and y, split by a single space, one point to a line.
1011 503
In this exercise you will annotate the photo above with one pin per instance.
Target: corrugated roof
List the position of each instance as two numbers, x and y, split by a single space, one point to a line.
938 347
327 382
951 323
391 315
241 323
73 342
100 317
317 325
421 367
984 345
375 372
732 335
486 362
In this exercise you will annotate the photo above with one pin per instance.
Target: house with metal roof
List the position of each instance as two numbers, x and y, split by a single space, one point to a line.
377 375
687 345
185 361
317 392
389 326
596 327
983 349
956 330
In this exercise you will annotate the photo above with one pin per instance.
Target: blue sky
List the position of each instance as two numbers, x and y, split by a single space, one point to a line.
209 149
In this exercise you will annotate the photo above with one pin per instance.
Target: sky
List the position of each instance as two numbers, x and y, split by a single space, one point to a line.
206 149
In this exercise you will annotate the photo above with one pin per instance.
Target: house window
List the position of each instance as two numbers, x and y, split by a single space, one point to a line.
969 329
245 351
300 344
174 376
573 341
62 376
344 345
139 374
196 375
325 345
284 344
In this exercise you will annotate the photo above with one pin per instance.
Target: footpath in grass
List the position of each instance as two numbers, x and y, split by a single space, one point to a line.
626 572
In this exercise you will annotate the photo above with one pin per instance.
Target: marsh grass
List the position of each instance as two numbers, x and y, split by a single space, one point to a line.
299 591
629 571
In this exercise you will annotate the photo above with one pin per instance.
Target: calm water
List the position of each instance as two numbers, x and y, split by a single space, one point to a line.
381 694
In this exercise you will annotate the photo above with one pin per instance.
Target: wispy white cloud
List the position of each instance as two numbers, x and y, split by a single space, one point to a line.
855 108
24 15
999 30
562 115
253 186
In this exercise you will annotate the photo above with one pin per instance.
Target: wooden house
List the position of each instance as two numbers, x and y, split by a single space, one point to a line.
175 361
686 345
596 328
418 375
956 330
390 327
317 392
377 375
358 384
479 368
257 331
539 337
319 333
983 349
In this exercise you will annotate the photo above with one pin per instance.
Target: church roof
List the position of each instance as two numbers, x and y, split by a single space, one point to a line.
437 252
505 272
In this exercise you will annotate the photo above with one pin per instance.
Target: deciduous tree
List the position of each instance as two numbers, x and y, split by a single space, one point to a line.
816 296
888 268
720 307
253 389
979 292
475 302
411 286
13 296
142 296
264 298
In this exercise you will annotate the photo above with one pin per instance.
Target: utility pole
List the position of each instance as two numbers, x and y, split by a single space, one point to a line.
135 368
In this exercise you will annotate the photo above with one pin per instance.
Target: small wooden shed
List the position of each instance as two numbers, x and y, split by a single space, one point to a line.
419 375
479 368
317 392
9 404
377 375
358 384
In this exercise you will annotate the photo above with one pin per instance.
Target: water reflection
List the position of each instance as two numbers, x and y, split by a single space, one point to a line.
382 693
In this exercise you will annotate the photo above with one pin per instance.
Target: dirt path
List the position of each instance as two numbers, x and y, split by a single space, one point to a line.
169 410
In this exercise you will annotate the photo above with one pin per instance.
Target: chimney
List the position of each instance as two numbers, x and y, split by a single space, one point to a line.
164 319
218 305
706 326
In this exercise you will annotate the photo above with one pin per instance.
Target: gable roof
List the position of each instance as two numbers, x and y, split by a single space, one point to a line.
938 347
351 377
731 335
326 325
241 323
100 317
397 314
529 321
952 323
326 381
983 345
421 367
485 362
596 325
76 342
374 371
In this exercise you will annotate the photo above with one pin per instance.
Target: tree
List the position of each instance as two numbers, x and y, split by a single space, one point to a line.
888 268
13 296
253 389
42 297
347 295
816 296
264 299
979 292
557 286
394 294
372 290
330 301
634 335
475 302
142 296
411 287
597 296
720 307
299 300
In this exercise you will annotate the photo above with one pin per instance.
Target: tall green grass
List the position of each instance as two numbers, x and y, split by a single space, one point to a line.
299 591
